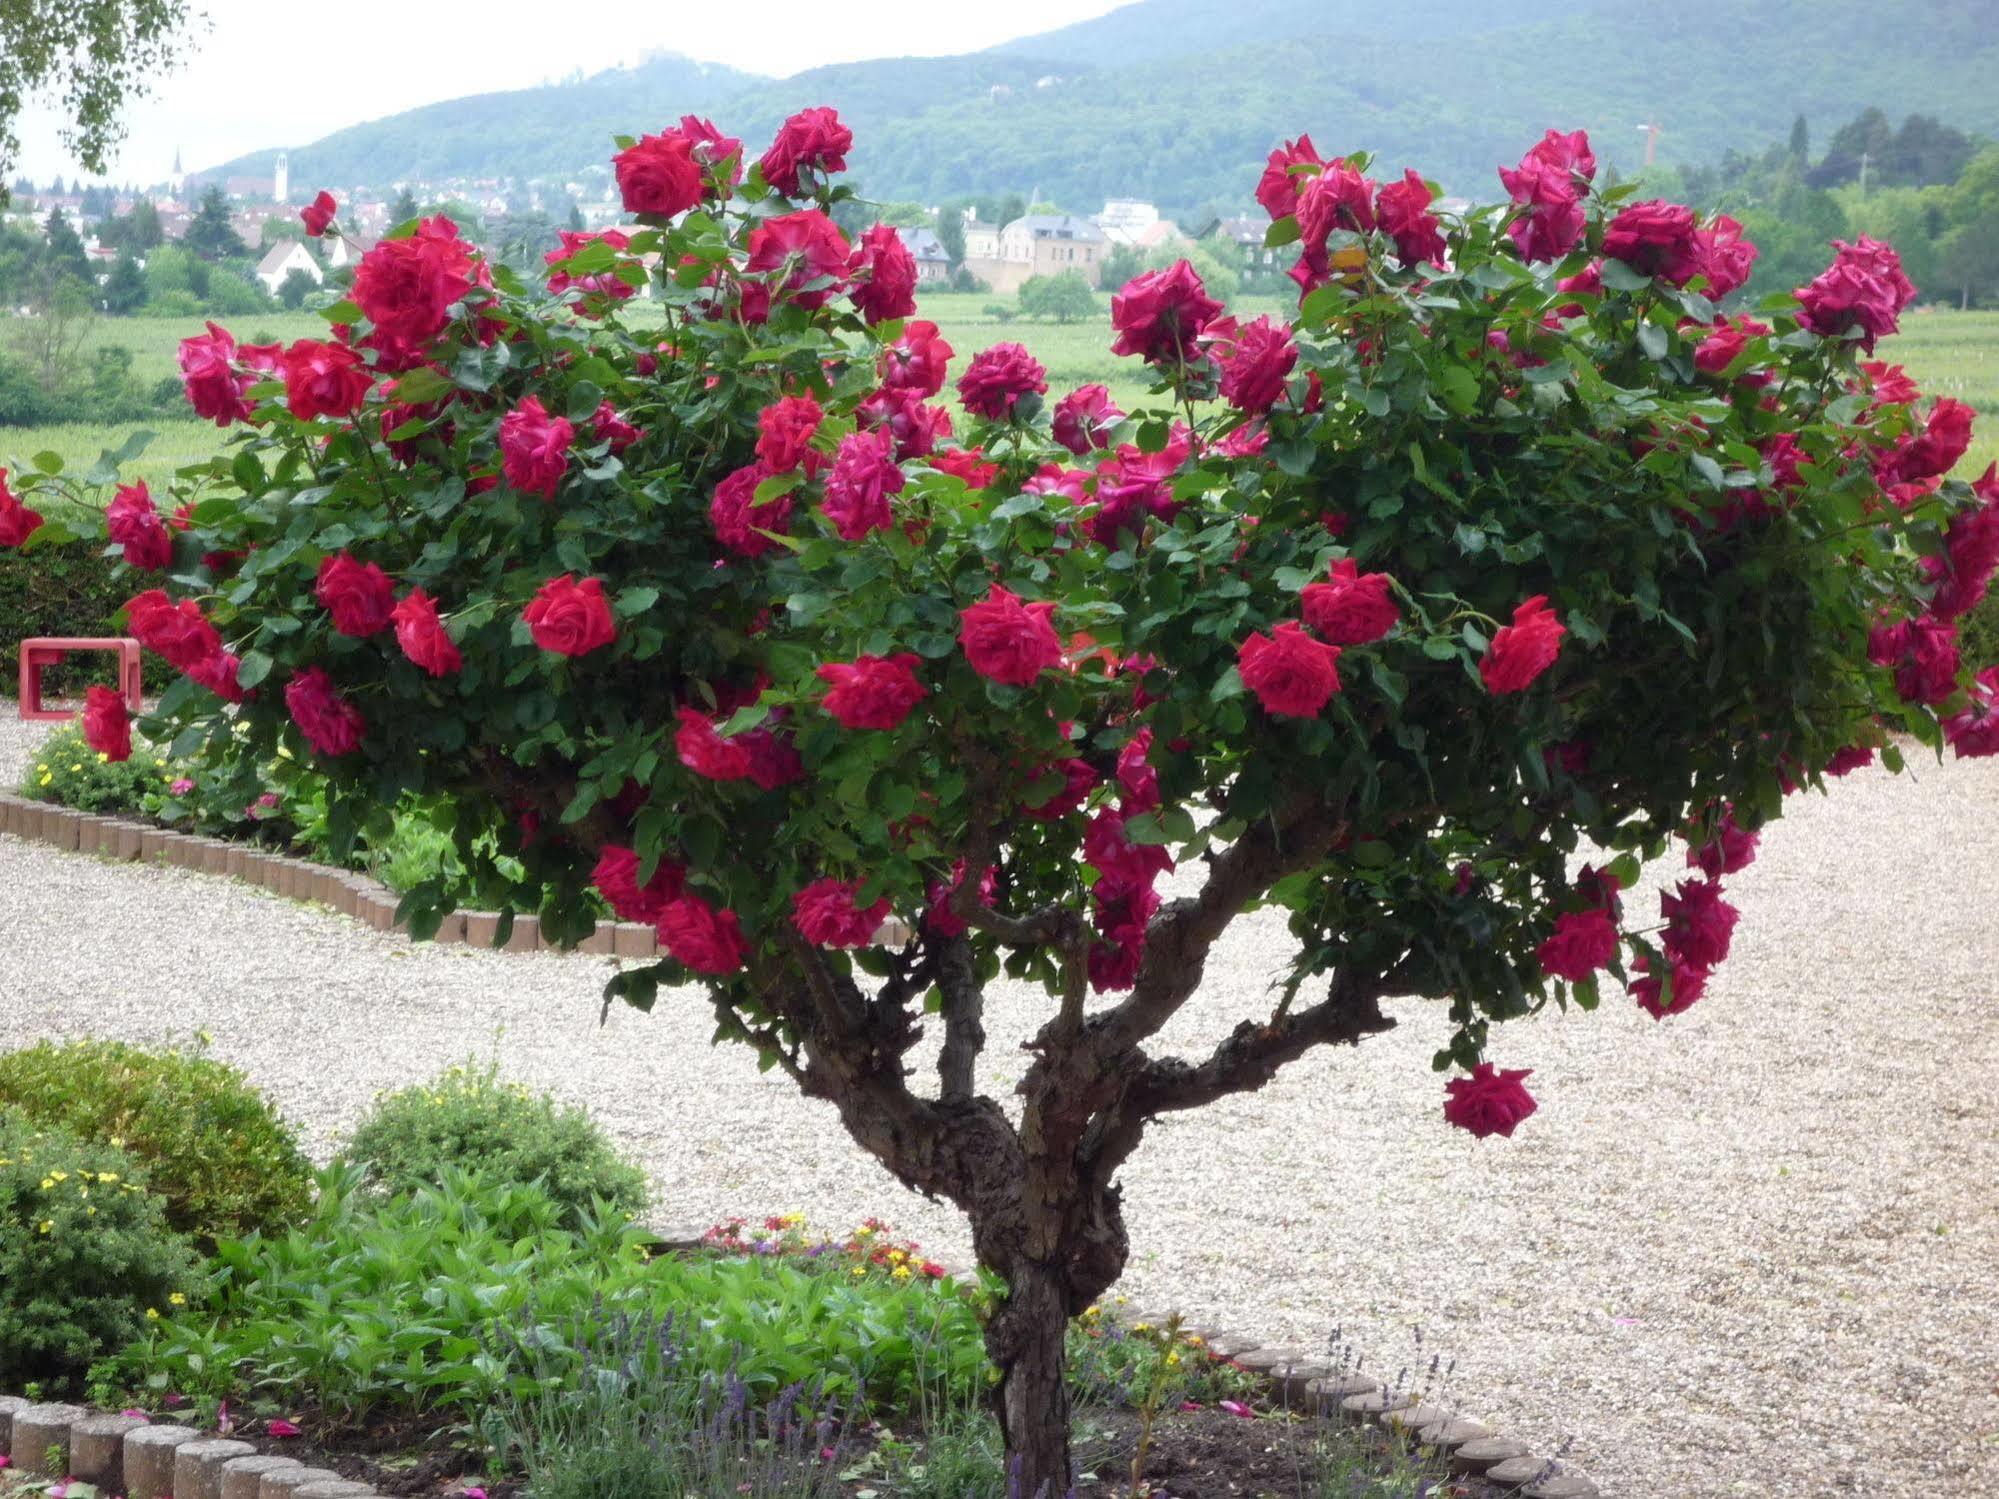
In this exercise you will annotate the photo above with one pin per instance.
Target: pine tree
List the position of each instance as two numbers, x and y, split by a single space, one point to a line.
66 255
405 208
210 235
125 289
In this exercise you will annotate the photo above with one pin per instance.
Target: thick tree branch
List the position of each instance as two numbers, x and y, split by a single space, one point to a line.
964 1011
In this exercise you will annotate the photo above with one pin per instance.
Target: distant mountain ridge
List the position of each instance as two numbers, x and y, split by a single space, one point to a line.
1179 100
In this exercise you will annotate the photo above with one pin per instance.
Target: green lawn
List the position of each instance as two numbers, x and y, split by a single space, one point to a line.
1949 353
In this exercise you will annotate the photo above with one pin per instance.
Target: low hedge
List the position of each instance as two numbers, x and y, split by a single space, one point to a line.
65 590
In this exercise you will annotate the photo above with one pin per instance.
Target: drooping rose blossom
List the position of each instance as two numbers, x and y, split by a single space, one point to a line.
1159 315
534 448
107 723
701 937
1009 641
422 636
1489 1102
570 618
1083 419
332 725
1292 674
616 877
133 522
997 378
863 477
827 915
811 140
216 389
1521 651
1732 848
872 692
1973 732
1687 982
1582 943
1352 607
317 216
358 595
1699 923
884 276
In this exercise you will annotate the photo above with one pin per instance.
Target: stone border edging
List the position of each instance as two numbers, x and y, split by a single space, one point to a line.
368 901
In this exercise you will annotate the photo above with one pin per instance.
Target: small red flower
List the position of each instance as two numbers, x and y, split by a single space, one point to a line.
1521 651
872 692
1292 675
317 216
570 618
1489 1102
1007 640
107 724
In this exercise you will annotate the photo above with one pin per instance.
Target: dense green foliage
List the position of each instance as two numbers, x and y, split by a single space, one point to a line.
212 1148
85 1254
71 590
1179 100
433 1302
68 772
468 1119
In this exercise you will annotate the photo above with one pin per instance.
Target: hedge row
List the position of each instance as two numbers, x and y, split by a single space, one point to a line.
67 590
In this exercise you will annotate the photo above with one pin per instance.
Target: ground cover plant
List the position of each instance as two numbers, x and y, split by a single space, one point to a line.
1368 615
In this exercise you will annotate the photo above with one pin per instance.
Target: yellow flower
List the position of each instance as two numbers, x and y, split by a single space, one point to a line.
179 1298
61 1176
103 758
152 1314
77 766
1172 1360
46 778
900 1272
47 1184
108 1177
48 1225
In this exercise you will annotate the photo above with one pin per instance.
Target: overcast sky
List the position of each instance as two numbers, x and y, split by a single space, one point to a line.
282 73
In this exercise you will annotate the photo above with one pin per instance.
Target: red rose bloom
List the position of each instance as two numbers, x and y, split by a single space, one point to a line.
208 371
738 520
1403 211
610 428
658 174
133 521
1292 675
1489 1102
702 938
1008 641
331 724
317 216
1863 288
617 880
107 726
1110 849
422 635
406 287
1521 651
1926 670
1932 452
1545 184
1723 257
1687 981
1079 780
570 618
872 692
997 378
1582 943
1973 733
864 476
968 464
826 916
884 276
601 283
712 148
1277 189
17 521
913 426
1254 361
1733 847
1971 553
940 918
218 674
916 361
1887 384
1353 608
534 448
1699 923
1655 238
176 632
1160 314
706 752
1724 345
1084 419
358 595
806 247
323 379
784 432
1137 776
1339 198
812 139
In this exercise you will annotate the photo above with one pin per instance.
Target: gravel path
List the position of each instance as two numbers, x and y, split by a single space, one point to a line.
1754 1250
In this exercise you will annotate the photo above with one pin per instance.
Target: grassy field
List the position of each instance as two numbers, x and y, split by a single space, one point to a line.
1949 353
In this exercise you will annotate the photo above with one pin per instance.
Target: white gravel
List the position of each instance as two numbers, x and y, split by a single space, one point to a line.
1754 1250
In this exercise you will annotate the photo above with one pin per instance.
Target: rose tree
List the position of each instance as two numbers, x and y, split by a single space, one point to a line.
1427 618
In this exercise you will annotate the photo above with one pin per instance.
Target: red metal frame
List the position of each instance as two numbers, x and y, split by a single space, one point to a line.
49 650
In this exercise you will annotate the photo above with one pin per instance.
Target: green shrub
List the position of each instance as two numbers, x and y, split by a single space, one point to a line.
86 1256
209 1143
70 773
1978 633
419 1305
469 1119
66 590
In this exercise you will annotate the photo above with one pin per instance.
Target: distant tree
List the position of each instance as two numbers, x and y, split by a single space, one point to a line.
1968 254
295 288
50 342
1066 298
1926 152
98 203
404 208
210 235
65 254
904 214
93 55
1861 142
853 215
1801 141
21 253
573 220
276 230
1011 207
1120 265
519 240
56 188
170 271
144 231
125 288
950 228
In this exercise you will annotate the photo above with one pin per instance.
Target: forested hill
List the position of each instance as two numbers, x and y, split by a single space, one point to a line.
1179 100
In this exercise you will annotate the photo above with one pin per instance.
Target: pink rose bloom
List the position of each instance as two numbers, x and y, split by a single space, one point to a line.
1292 675
107 723
1654 238
406 287
705 752
872 692
1108 847
1545 183
1699 923
358 595
940 918
133 521
1582 943
1137 776
1863 288
617 880
1732 848
1971 553
1084 419
826 916
997 378
785 430
422 635
1974 733
813 140
884 276
1724 345
17 521
1688 982
917 360
1254 360
1352 608
657 174
1008 641
568 618
1338 198
737 518
702 938
1403 211
1277 190
864 475
808 249
609 427
1723 256
324 379
534 448
208 370
331 724
317 216
1159 315
913 426
1489 1102
1521 651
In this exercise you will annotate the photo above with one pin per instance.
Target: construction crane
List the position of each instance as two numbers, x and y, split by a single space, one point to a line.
1651 129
